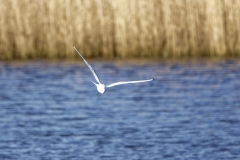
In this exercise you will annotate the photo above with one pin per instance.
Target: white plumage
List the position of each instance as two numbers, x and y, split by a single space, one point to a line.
101 87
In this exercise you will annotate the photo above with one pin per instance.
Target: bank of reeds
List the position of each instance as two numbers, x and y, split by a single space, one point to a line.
119 28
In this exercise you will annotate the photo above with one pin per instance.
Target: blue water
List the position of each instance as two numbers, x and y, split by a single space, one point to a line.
51 111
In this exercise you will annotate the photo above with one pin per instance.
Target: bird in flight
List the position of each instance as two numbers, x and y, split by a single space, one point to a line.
101 87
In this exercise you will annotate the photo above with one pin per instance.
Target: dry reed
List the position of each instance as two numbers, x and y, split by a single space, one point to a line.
119 28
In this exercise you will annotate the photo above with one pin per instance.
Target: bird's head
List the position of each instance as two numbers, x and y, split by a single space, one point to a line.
101 88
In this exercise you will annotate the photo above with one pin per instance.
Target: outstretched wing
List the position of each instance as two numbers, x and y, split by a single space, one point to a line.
94 73
119 83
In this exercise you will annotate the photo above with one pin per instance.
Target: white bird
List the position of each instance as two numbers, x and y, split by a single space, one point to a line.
101 87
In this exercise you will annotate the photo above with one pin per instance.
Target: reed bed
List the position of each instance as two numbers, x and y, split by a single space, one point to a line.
120 28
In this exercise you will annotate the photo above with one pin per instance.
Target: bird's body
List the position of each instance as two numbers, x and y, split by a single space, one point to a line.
101 87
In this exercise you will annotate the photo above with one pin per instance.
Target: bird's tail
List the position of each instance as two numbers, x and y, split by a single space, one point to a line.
93 83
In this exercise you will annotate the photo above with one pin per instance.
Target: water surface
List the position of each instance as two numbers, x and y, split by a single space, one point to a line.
51 111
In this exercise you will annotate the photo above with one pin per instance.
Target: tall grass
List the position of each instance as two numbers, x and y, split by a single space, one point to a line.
119 28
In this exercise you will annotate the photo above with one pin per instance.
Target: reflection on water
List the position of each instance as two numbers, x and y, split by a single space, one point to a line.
50 110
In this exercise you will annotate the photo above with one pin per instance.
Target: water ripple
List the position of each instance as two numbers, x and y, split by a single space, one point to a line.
50 110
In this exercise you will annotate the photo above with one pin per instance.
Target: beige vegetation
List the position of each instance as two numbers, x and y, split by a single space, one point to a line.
119 28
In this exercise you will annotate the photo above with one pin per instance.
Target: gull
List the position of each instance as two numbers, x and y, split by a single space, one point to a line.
101 87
